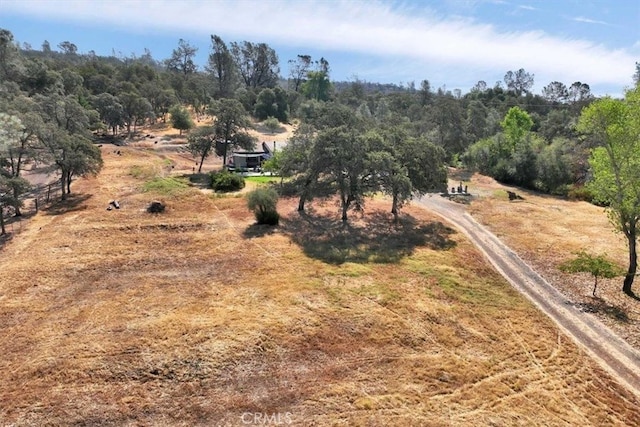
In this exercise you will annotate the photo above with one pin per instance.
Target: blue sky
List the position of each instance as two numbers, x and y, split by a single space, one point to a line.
452 43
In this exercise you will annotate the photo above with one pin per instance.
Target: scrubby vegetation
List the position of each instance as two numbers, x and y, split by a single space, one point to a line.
262 202
225 182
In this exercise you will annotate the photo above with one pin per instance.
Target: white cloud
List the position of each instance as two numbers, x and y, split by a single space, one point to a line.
418 38
589 21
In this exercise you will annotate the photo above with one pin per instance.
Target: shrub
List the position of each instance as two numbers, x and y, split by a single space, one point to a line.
579 192
225 182
272 124
268 217
262 202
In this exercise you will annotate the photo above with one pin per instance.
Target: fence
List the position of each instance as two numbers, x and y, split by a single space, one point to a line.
38 198
43 195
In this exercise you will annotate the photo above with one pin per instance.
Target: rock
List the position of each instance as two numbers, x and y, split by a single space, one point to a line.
514 196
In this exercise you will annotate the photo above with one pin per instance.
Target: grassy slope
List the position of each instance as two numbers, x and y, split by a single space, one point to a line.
196 316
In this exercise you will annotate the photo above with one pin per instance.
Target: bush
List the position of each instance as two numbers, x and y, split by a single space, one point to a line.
579 192
262 202
226 182
268 217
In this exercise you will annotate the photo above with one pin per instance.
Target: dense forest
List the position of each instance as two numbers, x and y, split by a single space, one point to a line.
53 99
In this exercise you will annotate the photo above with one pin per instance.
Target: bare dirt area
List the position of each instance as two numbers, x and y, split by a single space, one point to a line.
197 316
163 139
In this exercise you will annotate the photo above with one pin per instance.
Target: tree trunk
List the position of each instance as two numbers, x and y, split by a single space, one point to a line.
224 156
63 184
204 155
304 195
633 263
595 285
394 208
16 204
69 184
346 202
345 208
2 229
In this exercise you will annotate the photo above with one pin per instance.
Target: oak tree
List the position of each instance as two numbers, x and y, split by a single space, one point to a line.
615 164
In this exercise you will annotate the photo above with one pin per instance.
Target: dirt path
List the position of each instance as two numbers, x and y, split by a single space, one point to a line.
607 348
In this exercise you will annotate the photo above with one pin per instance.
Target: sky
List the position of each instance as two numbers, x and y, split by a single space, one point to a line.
452 43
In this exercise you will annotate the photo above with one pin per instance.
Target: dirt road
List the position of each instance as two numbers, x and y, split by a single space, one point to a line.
607 348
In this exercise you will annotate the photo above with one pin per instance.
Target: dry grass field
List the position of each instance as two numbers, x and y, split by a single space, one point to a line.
546 231
199 317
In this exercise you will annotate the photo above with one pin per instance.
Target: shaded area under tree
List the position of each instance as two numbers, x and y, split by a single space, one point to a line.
327 238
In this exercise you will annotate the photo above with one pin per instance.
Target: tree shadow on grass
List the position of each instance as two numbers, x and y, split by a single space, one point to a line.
258 230
376 240
598 305
74 202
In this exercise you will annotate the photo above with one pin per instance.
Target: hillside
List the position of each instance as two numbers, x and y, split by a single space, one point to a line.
199 317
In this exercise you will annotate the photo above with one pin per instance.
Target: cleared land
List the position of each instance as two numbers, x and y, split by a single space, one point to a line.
197 316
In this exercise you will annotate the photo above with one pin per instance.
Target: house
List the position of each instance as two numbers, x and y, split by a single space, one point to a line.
249 160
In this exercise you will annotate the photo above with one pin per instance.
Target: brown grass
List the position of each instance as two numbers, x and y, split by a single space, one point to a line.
197 316
547 231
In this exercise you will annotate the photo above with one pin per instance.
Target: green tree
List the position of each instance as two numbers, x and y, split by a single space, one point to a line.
230 125
39 79
597 265
68 48
221 67
201 143
298 69
516 124
272 124
16 146
317 86
9 187
180 118
553 166
615 164
136 110
66 139
405 166
161 99
11 67
343 152
273 164
182 59
447 114
257 64
296 161
555 92
519 81
110 110
265 104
